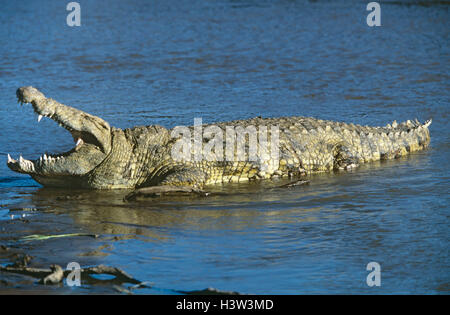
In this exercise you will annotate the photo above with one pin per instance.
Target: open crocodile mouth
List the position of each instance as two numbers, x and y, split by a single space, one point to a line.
23 165
89 148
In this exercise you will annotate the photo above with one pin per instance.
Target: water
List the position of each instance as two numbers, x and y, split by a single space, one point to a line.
159 62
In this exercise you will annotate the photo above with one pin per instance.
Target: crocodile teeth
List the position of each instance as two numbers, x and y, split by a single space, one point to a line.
39 118
9 159
26 165
79 141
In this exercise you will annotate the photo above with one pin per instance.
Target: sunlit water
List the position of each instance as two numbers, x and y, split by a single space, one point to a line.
160 62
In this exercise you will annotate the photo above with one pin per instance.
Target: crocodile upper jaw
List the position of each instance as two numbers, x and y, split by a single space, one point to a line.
89 149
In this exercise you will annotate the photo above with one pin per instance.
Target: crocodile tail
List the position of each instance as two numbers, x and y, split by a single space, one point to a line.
389 142
428 123
426 131
409 136
420 137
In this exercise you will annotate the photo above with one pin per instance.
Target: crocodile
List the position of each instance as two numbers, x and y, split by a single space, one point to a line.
105 157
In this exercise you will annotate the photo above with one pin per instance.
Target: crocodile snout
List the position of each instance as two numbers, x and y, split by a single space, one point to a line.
27 94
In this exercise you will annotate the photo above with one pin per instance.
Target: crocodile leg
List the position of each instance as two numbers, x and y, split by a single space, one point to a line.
343 158
189 177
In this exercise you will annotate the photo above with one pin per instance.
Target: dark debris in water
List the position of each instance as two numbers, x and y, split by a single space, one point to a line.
158 191
295 183
21 260
209 291
55 274
168 191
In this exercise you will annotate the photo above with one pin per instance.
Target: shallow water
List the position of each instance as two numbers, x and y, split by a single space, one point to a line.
145 63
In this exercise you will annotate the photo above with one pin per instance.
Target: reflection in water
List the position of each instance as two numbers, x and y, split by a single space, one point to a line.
236 208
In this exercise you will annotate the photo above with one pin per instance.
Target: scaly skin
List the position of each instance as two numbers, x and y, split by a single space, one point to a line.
110 158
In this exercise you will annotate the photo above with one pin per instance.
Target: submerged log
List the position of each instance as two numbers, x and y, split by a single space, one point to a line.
55 274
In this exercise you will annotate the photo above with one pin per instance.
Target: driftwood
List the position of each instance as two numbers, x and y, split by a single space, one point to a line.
157 191
293 184
56 274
